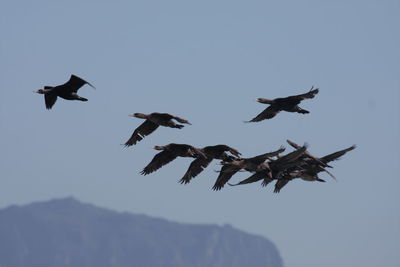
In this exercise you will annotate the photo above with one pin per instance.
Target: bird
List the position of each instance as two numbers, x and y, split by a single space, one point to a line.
200 163
315 164
308 171
151 123
304 174
275 168
67 91
169 153
311 160
253 164
289 104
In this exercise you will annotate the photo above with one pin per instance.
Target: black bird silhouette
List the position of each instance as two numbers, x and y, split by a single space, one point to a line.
67 91
253 164
308 170
169 153
275 168
289 104
151 123
311 161
200 163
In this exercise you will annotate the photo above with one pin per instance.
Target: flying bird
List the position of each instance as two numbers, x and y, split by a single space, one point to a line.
151 123
253 164
169 153
275 168
315 165
200 163
67 91
289 104
308 171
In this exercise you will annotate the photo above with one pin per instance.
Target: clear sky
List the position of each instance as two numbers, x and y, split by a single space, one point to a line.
207 61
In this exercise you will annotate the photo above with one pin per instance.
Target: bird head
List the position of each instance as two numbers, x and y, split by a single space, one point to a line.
40 91
138 115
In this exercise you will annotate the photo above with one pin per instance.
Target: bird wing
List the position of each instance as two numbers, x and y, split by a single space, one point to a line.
159 160
144 129
263 157
290 157
336 155
50 99
196 152
298 98
252 179
196 167
233 151
226 173
268 113
308 154
73 84
279 184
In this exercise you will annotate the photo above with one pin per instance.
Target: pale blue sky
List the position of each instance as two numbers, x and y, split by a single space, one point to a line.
207 61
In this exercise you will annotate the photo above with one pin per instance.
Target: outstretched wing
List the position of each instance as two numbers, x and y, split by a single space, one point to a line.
289 159
233 151
146 128
268 113
263 157
299 98
50 99
315 159
280 184
196 167
226 173
74 83
252 179
222 148
196 152
336 155
159 160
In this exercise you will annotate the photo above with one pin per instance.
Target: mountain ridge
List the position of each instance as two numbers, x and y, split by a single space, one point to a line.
72 233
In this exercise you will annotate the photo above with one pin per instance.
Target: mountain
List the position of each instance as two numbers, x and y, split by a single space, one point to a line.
66 232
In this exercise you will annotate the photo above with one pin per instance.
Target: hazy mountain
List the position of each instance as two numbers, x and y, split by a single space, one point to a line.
65 232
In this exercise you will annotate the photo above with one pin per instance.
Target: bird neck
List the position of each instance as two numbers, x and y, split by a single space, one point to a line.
140 115
42 91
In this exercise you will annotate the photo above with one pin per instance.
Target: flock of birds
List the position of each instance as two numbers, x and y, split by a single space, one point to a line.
266 167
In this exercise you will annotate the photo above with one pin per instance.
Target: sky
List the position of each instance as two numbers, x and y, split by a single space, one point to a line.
207 61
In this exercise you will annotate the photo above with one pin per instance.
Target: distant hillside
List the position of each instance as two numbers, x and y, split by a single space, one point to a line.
65 232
